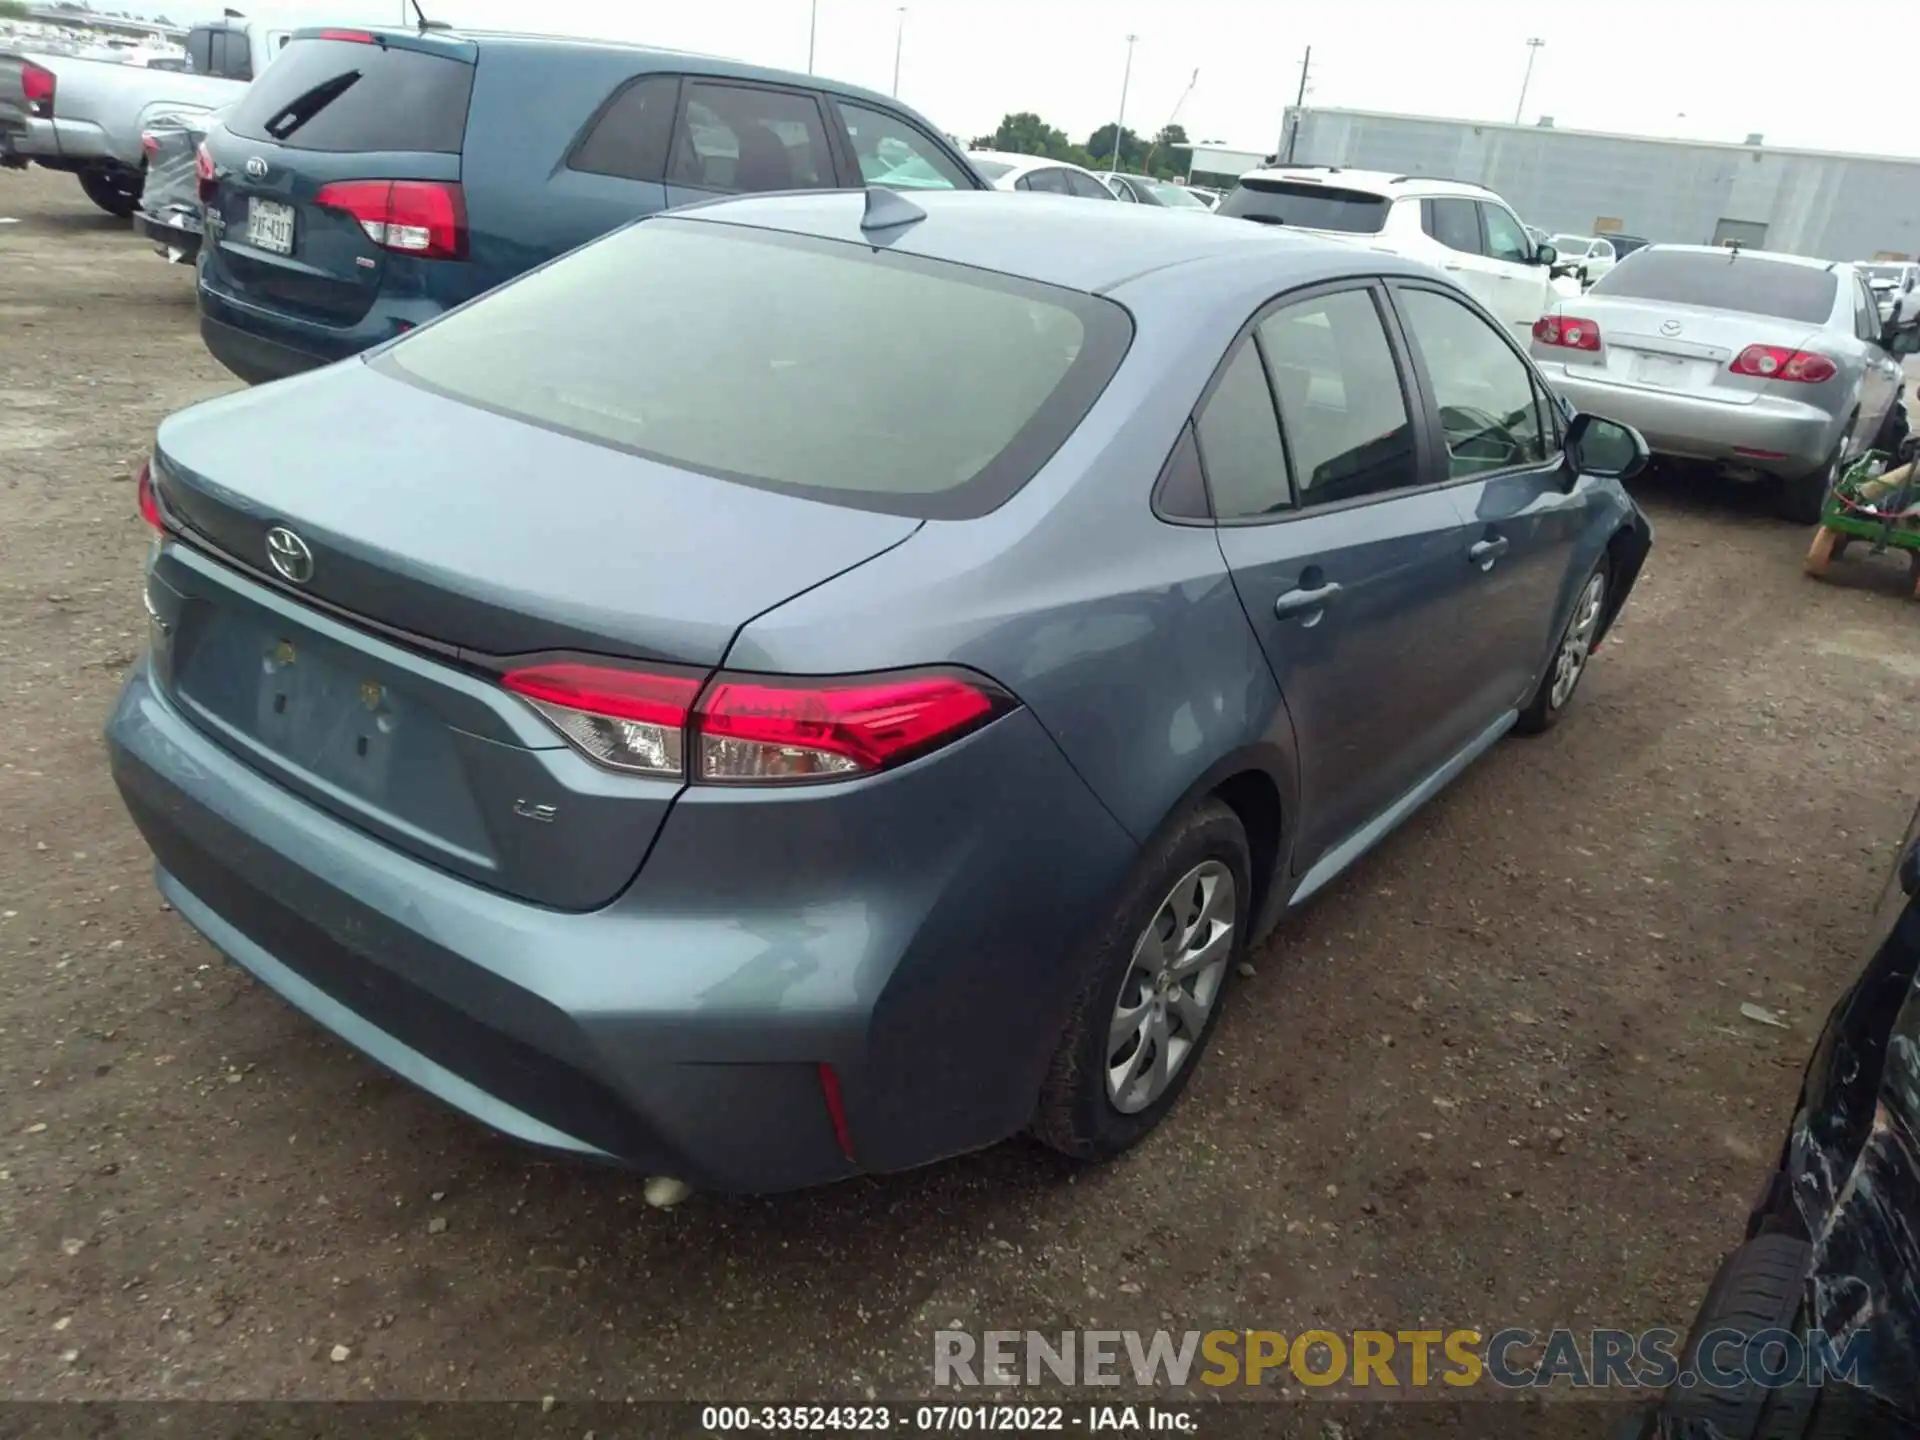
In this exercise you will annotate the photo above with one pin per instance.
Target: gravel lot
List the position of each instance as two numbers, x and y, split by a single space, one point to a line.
1498 1075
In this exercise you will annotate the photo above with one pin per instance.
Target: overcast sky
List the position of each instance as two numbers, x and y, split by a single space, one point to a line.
1641 66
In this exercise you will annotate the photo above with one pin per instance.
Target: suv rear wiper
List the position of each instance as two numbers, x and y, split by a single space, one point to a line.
298 112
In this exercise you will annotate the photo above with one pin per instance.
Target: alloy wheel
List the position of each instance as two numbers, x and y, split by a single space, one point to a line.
1577 644
1179 964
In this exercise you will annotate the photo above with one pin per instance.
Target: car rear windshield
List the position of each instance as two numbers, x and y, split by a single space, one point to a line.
1747 284
1307 205
859 376
345 95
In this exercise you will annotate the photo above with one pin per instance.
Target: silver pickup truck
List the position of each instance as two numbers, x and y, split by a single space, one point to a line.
87 116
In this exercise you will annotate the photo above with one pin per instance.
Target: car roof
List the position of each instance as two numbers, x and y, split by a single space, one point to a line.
1054 239
1019 164
1378 182
662 57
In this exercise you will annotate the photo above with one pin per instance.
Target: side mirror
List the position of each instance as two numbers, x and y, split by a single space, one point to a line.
1544 254
1605 448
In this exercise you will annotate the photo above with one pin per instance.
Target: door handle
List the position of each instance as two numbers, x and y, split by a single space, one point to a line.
1484 552
1306 601
1449 266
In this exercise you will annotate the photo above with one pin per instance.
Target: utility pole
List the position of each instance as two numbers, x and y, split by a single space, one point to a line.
1120 124
1293 132
1533 49
813 27
899 36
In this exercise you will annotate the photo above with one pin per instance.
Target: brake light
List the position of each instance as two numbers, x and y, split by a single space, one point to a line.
37 84
1569 332
149 502
352 37
1776 362
203 171
755 729
427 218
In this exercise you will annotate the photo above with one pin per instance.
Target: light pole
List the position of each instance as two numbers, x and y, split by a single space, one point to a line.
1120 124
813 27
1533 49
899 37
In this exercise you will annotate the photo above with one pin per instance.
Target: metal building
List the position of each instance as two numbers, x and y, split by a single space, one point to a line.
1807 202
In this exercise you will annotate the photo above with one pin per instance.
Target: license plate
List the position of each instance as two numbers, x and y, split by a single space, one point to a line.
270 226
335 724
1662 370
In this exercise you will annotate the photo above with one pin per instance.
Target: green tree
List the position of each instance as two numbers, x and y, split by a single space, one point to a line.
13 9
1132 149
1025 133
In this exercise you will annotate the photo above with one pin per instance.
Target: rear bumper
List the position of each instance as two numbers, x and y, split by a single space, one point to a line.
1793 439
919 932
174 233
260 344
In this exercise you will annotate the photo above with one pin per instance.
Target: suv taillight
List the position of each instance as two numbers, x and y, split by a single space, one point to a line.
427 218
149 144
1569 332
37 84
1776 362
755 729
204 172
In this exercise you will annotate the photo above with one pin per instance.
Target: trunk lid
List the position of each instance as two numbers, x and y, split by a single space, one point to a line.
1669 346
467 537
335 107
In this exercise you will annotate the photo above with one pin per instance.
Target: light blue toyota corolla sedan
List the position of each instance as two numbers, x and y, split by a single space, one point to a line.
812 684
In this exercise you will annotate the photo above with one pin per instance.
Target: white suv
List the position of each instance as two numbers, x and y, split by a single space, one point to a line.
1466 230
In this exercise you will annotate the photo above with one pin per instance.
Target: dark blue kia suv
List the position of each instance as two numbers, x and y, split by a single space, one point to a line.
371 179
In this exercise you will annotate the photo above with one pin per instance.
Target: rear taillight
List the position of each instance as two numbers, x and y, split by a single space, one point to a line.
1776 362
149 144
755 729
149 502
427 218
203 170
37 84
1569 332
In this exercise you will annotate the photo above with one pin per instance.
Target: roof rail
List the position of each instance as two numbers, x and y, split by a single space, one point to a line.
1436 179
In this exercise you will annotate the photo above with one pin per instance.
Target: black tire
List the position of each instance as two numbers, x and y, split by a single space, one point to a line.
1758 1287
1541 713
1800 498
1893 430
114 192
1076 1115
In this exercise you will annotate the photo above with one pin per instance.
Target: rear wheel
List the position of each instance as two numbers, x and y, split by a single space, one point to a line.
1152 989
114 191
1800 498
1893 430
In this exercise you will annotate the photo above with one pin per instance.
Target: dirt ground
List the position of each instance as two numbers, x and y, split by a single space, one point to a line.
1497 1076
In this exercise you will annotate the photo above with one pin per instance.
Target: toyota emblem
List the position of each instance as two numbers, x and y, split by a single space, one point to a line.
289 555
1669 327
256 168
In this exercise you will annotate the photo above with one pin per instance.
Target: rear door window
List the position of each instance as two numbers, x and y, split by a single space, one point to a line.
629 138
1308 205
899 155
1724 280
786 361
343 95
1086 187
1454 223
750 139
1341 404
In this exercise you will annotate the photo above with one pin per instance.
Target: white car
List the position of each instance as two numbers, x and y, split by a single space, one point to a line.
1463 229
1587 257
1006 171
